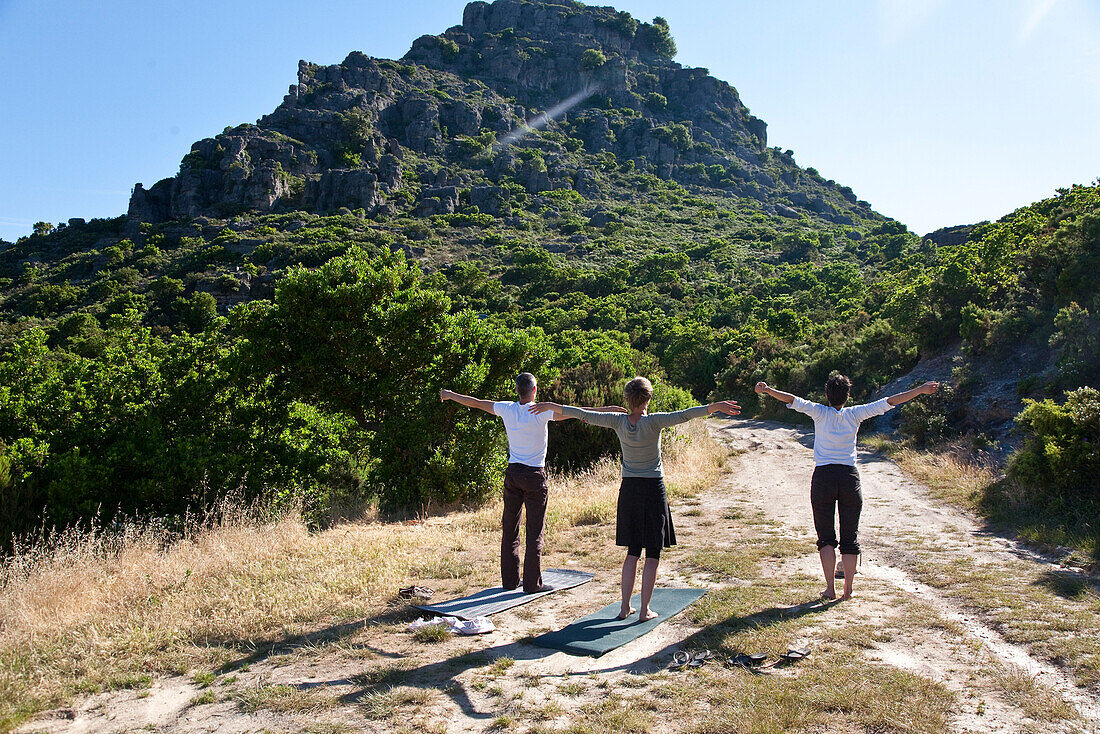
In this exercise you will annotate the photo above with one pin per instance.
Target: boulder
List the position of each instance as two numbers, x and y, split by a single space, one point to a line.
489 199
442 200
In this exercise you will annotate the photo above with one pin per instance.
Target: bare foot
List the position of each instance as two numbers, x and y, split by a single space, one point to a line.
846 595
627 613
647 615
828 595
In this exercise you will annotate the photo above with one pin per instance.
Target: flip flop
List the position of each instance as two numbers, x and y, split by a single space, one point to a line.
680 660
700 657
747 661
794 654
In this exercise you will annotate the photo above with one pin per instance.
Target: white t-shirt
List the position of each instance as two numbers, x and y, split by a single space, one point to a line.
526 432
835 430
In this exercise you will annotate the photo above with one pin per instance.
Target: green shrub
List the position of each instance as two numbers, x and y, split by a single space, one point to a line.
448 47
1060 459
659 38
592 59
364 337
676 134
656 101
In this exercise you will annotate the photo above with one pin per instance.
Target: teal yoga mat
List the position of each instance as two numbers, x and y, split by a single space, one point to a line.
601 632
496 599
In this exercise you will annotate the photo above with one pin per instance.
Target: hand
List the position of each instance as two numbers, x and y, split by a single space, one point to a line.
761 387
538 408
616 409
729 407
443 395
930 387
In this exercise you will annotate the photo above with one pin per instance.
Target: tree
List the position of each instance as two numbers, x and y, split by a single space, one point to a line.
660 39
365 337
592 59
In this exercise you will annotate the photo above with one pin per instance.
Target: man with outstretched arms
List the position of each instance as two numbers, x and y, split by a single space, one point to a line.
524 479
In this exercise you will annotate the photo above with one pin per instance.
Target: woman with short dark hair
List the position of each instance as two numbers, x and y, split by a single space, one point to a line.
835 483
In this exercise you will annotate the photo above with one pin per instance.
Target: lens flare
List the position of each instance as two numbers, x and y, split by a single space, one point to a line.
538 122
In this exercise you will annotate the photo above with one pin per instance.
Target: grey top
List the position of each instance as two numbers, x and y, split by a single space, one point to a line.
641 442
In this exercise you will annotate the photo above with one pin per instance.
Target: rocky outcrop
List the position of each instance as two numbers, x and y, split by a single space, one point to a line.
340 137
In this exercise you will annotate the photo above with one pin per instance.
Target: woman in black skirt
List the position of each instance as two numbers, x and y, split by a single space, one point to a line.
643 520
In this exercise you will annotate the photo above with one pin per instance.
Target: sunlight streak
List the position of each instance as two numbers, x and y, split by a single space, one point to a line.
538 122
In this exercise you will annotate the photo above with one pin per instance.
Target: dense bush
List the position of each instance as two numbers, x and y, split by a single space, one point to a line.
659 38
1060 459
592 59
366 338
151 426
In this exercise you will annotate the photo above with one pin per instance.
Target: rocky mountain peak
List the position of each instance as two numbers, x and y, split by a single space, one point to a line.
389 137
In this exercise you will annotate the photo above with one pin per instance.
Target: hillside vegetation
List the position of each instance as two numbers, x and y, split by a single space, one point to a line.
276 320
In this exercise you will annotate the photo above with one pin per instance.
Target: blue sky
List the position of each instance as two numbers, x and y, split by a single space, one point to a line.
936 112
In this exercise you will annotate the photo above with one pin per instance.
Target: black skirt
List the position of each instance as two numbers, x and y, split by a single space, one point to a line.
643 517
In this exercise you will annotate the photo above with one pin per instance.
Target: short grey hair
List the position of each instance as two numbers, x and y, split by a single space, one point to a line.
525 384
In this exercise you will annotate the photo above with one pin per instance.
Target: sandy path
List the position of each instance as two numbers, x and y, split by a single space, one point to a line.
898 514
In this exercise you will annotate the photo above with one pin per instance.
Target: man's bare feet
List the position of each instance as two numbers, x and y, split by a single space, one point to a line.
625 614
828 594
647 615
846 595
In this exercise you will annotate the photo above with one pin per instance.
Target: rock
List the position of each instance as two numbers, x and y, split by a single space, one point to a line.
443 200
601 219
342 131
764 179
799 198
586 183
489 199
785 211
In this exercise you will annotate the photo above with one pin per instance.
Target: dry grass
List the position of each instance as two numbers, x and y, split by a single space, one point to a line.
286 699
93 610
952 472
1021 689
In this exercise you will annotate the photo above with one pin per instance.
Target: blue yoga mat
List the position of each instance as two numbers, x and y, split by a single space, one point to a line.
497 599
601 632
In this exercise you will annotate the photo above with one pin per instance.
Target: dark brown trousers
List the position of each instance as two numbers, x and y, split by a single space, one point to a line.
524 486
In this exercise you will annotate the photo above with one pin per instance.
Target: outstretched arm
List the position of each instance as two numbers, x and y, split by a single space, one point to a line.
728 407
469 402
605 417
538 408
667 420
926 389
783 397
604 409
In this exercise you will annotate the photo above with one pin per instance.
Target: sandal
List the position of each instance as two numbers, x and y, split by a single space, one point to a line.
747 661
700 657
416 592
680 660
794 654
